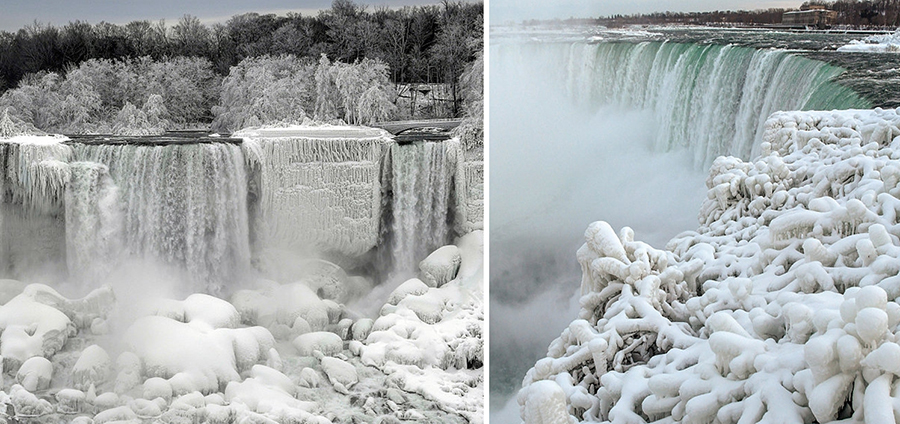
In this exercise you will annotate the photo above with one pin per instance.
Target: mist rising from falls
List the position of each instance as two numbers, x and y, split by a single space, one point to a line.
422 182
182 205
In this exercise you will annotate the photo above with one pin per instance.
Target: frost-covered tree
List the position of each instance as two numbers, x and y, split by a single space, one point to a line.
265 90
36 100
327 95
188 85
358 93
471 130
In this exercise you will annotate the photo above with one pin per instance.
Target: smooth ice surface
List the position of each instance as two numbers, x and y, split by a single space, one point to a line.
782 306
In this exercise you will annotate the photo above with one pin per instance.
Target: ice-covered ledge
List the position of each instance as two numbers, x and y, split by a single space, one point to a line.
782 306
312 131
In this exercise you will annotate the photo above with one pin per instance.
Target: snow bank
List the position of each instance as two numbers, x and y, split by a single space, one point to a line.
885 43
782 306
202 354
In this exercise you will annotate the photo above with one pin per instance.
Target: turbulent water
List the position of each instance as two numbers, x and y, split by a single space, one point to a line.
620 126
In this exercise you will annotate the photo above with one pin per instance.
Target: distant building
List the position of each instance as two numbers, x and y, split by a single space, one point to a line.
814 15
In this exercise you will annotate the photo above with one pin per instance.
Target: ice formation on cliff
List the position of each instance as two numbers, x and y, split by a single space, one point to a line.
782 306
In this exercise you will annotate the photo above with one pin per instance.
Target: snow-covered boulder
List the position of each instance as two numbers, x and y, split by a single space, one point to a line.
322 341
413 286
70 401
27 404
93 367
440 266
35 374
206 358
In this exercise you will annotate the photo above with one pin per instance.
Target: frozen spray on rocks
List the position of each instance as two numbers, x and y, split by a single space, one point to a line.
781 306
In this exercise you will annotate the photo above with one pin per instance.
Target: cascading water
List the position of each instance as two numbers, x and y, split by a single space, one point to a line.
711 99
422 185
94 222
347 195
183 205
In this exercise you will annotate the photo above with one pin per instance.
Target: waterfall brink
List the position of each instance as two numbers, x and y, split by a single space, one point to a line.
422 185
183 205
710 99
94 222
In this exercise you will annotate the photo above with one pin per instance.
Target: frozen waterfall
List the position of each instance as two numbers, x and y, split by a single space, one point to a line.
220 210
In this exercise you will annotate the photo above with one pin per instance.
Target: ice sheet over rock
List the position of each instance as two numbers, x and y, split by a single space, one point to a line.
782 306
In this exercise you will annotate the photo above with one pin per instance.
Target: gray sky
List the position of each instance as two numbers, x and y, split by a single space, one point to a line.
503 11
15 14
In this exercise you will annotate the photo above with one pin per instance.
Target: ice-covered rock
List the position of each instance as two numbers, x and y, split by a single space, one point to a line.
340 373
93 367
440 266
70 401
413 286
320 341
206 358
215 312
31 328
27 404
780 307
35 374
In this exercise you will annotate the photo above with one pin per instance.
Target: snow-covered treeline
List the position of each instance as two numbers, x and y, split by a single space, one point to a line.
288 90
143 97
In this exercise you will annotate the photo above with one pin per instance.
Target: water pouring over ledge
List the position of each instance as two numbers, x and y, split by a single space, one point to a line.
218 208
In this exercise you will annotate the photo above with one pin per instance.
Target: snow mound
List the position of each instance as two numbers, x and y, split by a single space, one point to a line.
195 358
91 368
886 43
281 304
319 341
782 306
440 266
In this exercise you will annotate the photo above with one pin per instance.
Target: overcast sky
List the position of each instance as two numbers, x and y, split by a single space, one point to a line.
503 11
15 14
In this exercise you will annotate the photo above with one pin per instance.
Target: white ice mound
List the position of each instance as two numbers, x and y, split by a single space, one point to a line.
35 374
91 368
31 327
440 266
319 341
880 43
196 357
782 306
281 304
